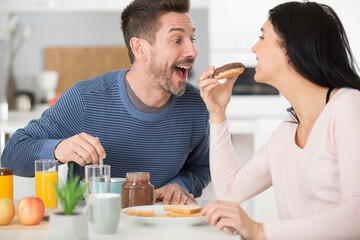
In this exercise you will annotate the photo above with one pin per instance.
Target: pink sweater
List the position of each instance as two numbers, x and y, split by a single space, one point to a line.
317 188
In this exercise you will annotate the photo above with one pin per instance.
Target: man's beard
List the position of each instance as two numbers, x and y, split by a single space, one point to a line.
164 72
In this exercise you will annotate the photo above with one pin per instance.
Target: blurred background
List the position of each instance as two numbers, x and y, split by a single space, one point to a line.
76 37
47 45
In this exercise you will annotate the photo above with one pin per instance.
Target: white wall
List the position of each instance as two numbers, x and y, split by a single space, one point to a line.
348 12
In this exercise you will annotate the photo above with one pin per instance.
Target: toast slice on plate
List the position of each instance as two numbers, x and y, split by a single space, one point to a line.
184 209
172 214
142 213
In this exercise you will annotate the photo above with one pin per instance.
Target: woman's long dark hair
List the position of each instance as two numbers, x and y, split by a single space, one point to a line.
316 44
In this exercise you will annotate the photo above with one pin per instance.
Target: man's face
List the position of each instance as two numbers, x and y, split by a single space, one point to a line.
173 53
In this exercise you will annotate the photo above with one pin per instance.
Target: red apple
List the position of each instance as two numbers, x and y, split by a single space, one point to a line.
7 211
30 210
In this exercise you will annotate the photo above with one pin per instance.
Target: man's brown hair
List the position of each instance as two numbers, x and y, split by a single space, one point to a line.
140 18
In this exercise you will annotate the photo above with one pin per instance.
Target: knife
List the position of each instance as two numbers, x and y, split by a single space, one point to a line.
188 195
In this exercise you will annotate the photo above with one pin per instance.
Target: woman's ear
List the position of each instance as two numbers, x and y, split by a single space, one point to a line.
290 65
138 48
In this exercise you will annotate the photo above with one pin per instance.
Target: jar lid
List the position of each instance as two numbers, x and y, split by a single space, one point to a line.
5 171
137 176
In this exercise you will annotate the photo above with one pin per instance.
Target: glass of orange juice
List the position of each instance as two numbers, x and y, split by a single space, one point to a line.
6 183
46 175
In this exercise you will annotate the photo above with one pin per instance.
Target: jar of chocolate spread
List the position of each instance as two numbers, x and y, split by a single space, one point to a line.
137 190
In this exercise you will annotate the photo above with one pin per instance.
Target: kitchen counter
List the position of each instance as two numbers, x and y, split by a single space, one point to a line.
16 120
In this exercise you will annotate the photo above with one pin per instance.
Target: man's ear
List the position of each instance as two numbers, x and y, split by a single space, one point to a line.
138 48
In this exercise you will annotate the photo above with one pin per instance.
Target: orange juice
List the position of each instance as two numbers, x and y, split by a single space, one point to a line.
6 183
45 190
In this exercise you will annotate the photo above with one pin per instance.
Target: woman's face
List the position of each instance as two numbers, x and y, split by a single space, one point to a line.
271 57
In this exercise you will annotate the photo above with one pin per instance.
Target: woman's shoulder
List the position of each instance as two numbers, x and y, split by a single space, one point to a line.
346 94
346 99
343 109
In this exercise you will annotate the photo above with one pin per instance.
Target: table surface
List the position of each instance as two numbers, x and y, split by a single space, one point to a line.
128 228
133 231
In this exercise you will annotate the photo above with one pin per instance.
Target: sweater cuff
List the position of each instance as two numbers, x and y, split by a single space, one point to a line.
218 124
48 149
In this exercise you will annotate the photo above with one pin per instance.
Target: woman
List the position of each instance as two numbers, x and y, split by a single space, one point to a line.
313 159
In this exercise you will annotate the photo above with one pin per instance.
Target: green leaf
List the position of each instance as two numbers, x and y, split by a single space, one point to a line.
71 193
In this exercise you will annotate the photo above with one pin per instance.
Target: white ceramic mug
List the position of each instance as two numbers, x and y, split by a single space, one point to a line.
103 211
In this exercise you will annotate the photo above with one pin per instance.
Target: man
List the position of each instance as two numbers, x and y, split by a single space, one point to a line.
143 119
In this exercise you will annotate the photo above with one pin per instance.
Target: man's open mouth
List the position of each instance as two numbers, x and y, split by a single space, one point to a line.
182 71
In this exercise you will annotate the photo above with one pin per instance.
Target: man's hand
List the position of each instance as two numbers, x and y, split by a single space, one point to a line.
171 194
82 149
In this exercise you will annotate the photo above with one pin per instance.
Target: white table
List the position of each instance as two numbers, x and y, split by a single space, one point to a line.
132 230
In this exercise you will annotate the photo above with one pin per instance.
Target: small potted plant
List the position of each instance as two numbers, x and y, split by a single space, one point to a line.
69 224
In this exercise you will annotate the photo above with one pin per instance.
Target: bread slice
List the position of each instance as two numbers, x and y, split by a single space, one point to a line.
142 213
161 215
172 214
185 209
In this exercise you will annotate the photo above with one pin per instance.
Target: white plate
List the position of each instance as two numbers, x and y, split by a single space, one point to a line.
163 221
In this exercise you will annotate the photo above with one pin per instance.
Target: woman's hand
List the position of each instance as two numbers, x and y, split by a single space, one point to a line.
215 95
230 215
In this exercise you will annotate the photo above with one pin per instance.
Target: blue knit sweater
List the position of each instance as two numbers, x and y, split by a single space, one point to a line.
172 145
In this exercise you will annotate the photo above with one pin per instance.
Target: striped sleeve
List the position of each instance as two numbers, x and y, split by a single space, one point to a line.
40 137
